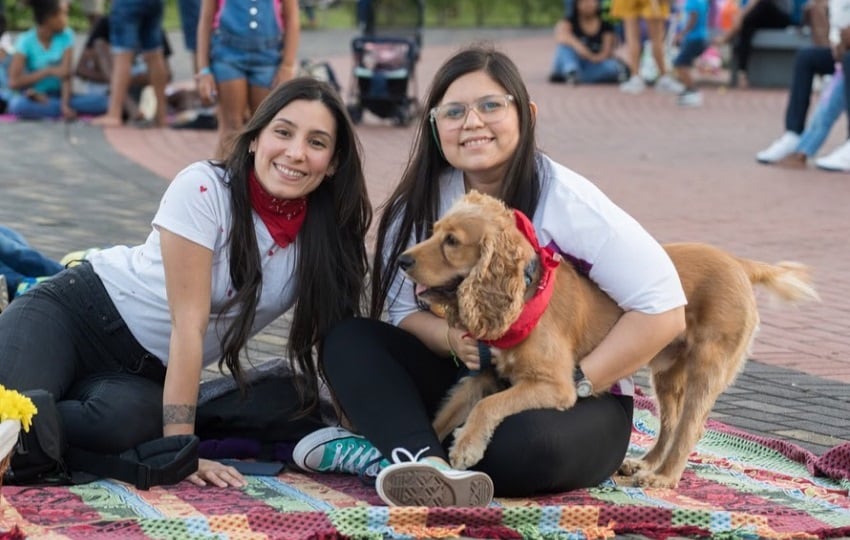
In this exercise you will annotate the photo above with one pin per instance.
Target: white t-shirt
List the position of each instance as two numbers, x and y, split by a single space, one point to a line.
839 17
581 223
196 206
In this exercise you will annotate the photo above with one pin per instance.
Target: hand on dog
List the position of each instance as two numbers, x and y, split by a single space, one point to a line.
466 349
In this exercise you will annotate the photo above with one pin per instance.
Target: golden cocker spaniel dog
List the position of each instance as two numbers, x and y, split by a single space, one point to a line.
482 270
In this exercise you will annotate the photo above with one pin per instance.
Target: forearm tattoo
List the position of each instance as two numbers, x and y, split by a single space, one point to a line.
178 414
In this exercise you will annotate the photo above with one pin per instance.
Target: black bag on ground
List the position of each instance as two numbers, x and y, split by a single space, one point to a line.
38 456
43 457
162 461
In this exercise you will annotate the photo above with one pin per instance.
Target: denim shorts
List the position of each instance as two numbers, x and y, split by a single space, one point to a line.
136 25
234 57
689 51
190 12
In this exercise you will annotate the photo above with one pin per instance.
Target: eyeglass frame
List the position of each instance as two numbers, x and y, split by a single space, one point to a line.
432 113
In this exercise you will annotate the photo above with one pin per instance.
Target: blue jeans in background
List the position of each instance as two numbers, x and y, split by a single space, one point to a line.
830 106
135 25
29 109
190 12
18 260
808 62
568 61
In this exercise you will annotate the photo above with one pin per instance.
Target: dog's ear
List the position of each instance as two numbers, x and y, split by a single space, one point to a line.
490 299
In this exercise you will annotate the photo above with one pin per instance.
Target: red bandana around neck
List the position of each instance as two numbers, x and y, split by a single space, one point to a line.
282 217
536 305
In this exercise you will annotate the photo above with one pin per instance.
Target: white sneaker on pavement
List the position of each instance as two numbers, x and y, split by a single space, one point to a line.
838 160
780 148
427 482
635 85
690 98
668 85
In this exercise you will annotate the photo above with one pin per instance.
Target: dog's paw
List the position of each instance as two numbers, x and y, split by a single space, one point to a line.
467 450
630 467
649 479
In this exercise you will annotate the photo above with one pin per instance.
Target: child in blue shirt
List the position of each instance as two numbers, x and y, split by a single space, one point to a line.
40 71
692 40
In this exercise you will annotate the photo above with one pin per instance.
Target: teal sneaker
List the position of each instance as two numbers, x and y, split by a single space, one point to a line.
337 450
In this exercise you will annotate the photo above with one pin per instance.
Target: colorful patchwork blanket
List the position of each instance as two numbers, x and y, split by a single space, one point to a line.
737 485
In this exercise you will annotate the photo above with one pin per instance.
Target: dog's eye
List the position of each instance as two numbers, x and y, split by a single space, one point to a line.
451 240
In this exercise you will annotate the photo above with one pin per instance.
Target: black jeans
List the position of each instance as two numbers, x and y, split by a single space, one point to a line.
65 336
764 14
809 62
389 384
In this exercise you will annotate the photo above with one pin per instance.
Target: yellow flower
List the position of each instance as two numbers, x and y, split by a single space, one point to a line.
16 406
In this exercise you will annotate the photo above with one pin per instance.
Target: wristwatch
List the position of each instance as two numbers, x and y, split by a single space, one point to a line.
584 388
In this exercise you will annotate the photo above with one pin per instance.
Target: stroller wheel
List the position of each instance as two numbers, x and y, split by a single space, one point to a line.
356 113
402 117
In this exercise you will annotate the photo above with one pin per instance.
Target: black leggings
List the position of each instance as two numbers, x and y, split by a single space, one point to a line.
389 385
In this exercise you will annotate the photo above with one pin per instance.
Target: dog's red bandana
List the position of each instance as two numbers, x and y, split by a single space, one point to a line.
536 305
283 217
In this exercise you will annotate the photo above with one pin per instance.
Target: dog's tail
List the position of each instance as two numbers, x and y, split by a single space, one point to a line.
788 281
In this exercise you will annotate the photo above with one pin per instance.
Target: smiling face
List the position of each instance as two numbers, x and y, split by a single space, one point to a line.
294 152
482 150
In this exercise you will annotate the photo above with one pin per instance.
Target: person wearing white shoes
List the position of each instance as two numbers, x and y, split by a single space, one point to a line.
693 41
476 132
837 161
830 107
655 13
811 61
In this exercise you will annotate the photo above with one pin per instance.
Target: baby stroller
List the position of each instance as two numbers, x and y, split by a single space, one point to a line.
383 80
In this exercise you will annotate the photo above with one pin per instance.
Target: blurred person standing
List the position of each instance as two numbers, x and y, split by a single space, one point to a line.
135 25
692 40
245 49
655 13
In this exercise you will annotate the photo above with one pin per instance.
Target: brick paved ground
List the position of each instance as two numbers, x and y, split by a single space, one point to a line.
685 174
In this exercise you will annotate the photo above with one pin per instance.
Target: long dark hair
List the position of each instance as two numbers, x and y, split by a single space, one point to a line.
331 262
414 205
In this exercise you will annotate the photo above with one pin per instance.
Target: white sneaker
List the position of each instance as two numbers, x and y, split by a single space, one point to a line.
337 450
635 85
668 85
690 98
838 160
780 148
147 103
426 483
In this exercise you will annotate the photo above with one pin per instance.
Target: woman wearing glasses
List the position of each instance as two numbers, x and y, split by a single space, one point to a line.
389 379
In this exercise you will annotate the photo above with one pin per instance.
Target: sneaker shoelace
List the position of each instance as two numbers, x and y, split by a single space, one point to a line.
355 456
370 469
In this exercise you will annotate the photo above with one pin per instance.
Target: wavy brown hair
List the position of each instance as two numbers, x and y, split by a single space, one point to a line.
331 263
412 208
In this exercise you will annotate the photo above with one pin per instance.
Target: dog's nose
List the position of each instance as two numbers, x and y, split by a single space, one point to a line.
405 261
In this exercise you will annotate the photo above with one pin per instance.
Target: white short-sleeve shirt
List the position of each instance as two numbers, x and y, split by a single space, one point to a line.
196 206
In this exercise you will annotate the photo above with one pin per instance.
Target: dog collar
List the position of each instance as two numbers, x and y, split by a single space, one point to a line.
536 305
